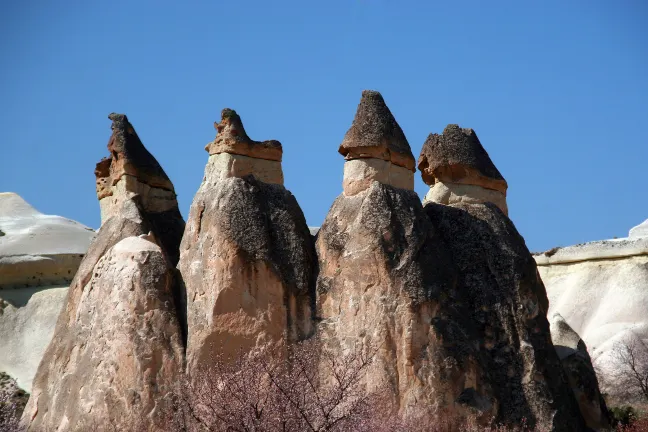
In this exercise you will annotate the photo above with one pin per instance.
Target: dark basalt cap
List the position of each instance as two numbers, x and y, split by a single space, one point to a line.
458 156
376 134
128 156
231 138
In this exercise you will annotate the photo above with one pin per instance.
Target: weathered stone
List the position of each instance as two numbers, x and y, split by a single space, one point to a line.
225 165
453 193
507 305
360 173
121 352
457 156
117 347
600 288
577 363
385 282
38 249
247 258
231 138
39 256
376 134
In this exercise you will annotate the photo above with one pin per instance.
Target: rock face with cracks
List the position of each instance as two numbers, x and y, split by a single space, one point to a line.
449 296
458 169
117 347
506 306
577 363
247 257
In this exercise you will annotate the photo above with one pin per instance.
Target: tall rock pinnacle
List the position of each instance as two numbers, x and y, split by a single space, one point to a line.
117 349
247 257
458 169
375 148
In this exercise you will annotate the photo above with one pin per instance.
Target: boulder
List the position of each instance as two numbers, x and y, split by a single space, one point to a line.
458 169
247 258
577 363
117 348
39 256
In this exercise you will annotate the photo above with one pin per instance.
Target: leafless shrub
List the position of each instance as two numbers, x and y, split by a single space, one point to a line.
629 378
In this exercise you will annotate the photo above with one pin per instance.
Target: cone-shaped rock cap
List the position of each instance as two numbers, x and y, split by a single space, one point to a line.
128 156
231 138
457 156
376 134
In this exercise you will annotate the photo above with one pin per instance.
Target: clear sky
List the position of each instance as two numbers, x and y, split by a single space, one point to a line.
557 92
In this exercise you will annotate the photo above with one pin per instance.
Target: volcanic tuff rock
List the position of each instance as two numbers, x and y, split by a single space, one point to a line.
451 297
458 169
39 255
640 230
573 355
117 345
247 257
375 148
507 307
601 289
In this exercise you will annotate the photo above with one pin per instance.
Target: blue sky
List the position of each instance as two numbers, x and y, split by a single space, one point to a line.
557 91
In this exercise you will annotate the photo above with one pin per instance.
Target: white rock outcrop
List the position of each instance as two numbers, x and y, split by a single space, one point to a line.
601 290
640 230
39 255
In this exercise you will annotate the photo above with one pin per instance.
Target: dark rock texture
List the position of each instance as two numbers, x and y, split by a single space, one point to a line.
376 134
507 306
248 264
457 156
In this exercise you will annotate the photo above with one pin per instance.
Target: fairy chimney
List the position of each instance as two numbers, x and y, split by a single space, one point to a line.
375 148
458 169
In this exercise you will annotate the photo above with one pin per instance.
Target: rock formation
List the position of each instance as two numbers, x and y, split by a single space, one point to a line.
505 301
375 148
247 257
577 363
458 169
640 230
117 346
39 255
448 292
601 289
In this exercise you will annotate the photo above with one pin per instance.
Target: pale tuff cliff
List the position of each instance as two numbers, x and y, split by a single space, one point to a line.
449 293
117 346
601 290
247 257
39 255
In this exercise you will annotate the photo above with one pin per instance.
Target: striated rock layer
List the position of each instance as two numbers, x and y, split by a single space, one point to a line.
117 347
247 257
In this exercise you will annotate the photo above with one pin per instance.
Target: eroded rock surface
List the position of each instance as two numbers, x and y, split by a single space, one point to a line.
600 288
39 256
458 169
117 346
577 363
247 257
